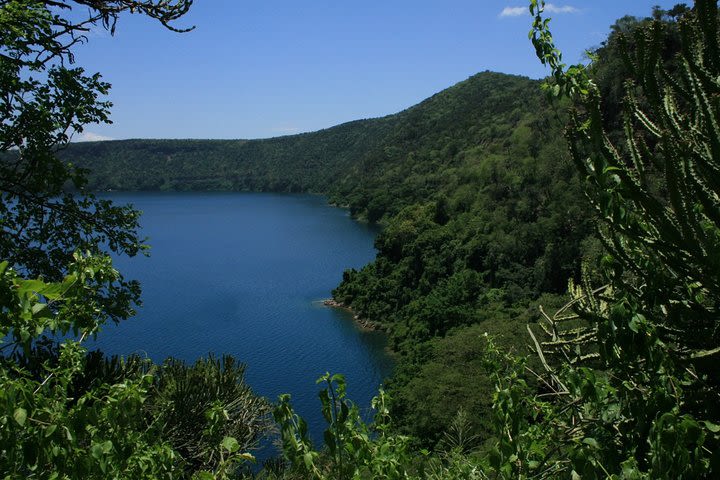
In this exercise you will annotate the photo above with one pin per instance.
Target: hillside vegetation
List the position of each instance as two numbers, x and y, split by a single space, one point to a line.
301 163
481 207
348 161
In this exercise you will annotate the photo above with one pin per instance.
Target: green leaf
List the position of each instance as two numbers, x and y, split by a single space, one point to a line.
20 416
636 321
308 460
53 290
34 286
248 457
96 451
107 446
203 475
37 308
592 442
712 427
230 444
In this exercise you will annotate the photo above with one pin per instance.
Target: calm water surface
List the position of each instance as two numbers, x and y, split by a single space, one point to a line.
244 273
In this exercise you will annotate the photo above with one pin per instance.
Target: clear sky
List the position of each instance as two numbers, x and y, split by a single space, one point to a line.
263 68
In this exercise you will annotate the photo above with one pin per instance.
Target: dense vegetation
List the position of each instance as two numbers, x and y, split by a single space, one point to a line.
66 413
482 208
486 217
308 162
351 162
627 385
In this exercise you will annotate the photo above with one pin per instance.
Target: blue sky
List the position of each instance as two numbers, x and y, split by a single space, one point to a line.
263 68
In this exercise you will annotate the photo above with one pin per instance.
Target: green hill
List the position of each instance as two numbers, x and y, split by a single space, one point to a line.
299 163
345 161
482 211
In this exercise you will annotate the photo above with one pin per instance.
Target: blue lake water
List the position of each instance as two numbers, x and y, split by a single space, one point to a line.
244 274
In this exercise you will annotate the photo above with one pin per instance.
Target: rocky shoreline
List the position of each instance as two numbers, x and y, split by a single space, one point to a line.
363 322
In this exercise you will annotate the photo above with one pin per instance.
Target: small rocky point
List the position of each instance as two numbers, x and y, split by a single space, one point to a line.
365 323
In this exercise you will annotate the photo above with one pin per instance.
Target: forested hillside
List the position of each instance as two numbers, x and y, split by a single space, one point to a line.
301 163
481 205
349 161
624 383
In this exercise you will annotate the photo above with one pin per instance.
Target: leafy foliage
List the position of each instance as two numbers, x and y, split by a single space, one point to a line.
629 388
633 393
483 215
46 430
65 413
197 408
355 449
43 101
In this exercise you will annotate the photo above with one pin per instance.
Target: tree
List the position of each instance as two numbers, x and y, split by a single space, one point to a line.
64 413
631 385
43 102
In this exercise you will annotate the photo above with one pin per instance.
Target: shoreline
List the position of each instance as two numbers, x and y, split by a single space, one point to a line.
362 322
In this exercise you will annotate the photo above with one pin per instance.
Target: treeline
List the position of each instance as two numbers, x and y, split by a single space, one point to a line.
302 163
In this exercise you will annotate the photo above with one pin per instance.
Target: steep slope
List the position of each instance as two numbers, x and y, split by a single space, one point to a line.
484 219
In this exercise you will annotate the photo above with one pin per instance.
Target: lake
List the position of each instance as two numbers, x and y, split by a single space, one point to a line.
245 274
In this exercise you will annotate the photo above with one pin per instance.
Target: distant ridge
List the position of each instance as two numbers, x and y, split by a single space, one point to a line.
332 161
